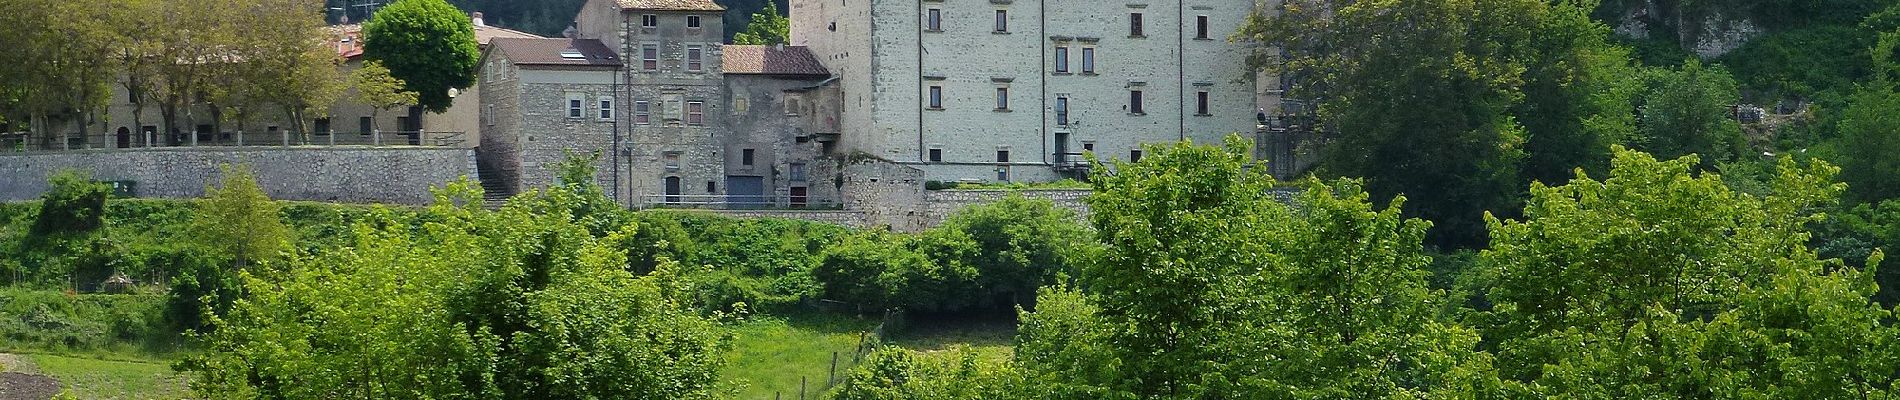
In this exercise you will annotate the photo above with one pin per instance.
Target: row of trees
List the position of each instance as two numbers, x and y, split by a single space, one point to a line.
239 59
215 62
1657 282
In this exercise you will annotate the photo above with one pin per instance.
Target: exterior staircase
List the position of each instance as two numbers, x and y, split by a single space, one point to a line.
494 191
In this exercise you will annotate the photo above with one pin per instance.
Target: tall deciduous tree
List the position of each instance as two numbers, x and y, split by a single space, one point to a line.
1415 96
1871 131
1212 288
767 27
1658 282
1579 96
428 44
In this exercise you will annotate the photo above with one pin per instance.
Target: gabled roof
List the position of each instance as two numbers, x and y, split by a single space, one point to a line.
555 52
770 60
671 5
348 39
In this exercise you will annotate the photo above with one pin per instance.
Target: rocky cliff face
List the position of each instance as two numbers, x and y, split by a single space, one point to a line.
1707 33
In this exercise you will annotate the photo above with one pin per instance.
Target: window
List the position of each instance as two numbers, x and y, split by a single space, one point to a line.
695 58
1002 174
1002 20
1002 155
692 21
934 20
797 172
642 114
606 109
745 157
1134 102
322 125
791 104
1088 146
488 117
1062 59
740 105
649 21
695 113
1062 111
1134 25
712 187
671 160
1200 103
650 57
1088 60
1002 98
365 125
574 107
1134 155
1200 27
936 97
936 155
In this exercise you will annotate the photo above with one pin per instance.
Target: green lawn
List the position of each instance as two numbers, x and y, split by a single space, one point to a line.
89 378
769 354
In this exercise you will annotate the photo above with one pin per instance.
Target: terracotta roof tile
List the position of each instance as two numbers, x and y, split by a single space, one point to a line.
524 51
770 60
671 5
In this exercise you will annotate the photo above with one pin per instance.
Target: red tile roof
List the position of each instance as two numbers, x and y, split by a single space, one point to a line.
671 5
771 60
523 51
348 39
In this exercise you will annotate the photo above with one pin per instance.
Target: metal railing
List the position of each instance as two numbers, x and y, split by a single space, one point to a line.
26 142
739 202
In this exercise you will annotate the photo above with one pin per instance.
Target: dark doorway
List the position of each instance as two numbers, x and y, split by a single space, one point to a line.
125 137
672 190
745 192
800 197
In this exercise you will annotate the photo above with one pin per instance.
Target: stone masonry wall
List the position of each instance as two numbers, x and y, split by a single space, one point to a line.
353 175
940 204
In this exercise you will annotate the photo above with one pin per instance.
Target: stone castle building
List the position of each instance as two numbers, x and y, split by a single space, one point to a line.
1004 90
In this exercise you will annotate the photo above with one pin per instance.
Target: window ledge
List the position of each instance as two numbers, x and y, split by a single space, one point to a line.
1003 110
1138 114
1203 115
1061 73
1204 39
1088 74
999 32
933 108
1137 36
933 30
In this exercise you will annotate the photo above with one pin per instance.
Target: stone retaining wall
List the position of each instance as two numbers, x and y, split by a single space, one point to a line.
940 204
338 174
854 219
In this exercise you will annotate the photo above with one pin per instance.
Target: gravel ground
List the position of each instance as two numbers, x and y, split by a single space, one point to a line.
18 386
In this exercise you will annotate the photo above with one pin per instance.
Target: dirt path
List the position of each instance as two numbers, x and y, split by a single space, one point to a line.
22 380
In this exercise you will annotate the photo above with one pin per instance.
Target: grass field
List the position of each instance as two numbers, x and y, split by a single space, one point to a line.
771 354
88 378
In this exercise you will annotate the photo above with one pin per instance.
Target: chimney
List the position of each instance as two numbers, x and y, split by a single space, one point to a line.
477 17
571 32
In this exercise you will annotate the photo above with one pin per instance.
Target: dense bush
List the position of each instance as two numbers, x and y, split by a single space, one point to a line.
53 321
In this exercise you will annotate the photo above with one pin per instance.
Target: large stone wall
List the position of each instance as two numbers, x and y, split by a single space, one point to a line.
941 204
354 175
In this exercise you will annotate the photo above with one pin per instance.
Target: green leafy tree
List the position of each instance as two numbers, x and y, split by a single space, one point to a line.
428 44
1416 97
1658 282
378 90
1870 143
236 221
1212 288
1579 96
767 27
1686 111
